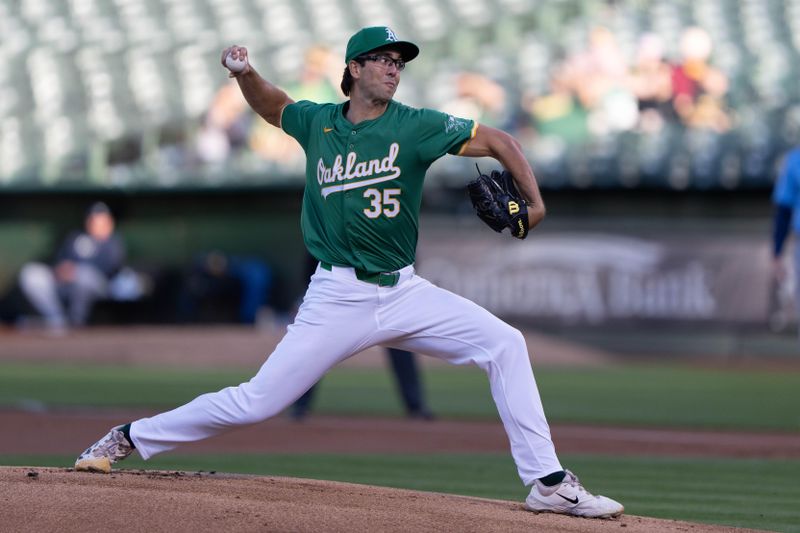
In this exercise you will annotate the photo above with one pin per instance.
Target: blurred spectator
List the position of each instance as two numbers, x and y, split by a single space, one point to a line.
319 78
479 98
224 127
216 278
599 78
318 82
786 198
558 113
84 265
698 88
590 93
651 82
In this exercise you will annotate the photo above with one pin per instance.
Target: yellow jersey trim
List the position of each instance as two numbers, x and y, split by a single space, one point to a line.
471 136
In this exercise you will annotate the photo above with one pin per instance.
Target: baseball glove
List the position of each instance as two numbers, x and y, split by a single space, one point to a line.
498 203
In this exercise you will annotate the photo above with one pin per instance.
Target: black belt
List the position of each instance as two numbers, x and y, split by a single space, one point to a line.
381 279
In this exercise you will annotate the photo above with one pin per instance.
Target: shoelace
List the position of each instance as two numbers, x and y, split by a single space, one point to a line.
573 481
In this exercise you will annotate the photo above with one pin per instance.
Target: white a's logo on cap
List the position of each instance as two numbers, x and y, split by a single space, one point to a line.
390 36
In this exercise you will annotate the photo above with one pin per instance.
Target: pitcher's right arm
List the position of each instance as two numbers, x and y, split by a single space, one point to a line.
266 99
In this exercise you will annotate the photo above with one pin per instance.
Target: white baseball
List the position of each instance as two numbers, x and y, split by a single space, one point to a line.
235 65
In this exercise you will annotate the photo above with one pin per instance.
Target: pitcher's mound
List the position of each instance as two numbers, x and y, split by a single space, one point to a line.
52 499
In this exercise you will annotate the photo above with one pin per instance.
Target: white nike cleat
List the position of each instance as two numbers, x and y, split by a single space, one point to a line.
569 497
99 456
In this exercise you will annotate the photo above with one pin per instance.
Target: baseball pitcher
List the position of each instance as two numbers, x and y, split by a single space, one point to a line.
366 162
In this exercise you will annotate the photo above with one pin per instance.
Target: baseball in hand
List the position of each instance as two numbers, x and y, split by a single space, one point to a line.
235 65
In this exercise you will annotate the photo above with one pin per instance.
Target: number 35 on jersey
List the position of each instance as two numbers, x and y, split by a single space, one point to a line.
385 202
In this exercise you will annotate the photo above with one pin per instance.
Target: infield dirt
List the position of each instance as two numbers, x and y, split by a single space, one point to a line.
49 499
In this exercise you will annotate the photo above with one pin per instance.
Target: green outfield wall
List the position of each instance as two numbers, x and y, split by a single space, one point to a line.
689 257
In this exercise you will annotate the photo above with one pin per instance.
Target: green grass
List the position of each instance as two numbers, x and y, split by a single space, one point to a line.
629 395
109 386
749 493
760 494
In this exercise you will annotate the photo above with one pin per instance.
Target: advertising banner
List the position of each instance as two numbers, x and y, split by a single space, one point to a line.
600 278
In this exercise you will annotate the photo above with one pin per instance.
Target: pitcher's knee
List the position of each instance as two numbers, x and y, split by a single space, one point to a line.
511 345
511 336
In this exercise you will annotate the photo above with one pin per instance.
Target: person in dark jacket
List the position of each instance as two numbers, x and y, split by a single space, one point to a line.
85 262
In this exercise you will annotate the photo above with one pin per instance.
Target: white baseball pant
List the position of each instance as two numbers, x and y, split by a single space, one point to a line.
341 316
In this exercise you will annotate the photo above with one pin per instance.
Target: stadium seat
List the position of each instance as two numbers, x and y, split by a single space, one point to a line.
119 71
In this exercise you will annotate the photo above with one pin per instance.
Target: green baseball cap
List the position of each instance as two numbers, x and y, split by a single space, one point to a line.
369 39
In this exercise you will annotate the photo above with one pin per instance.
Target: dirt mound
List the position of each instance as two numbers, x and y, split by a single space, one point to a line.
49 499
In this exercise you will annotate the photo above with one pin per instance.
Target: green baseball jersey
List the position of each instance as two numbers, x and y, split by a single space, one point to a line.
364 181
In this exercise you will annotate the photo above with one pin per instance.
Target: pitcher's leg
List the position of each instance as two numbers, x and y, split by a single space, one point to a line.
459 331
325 332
